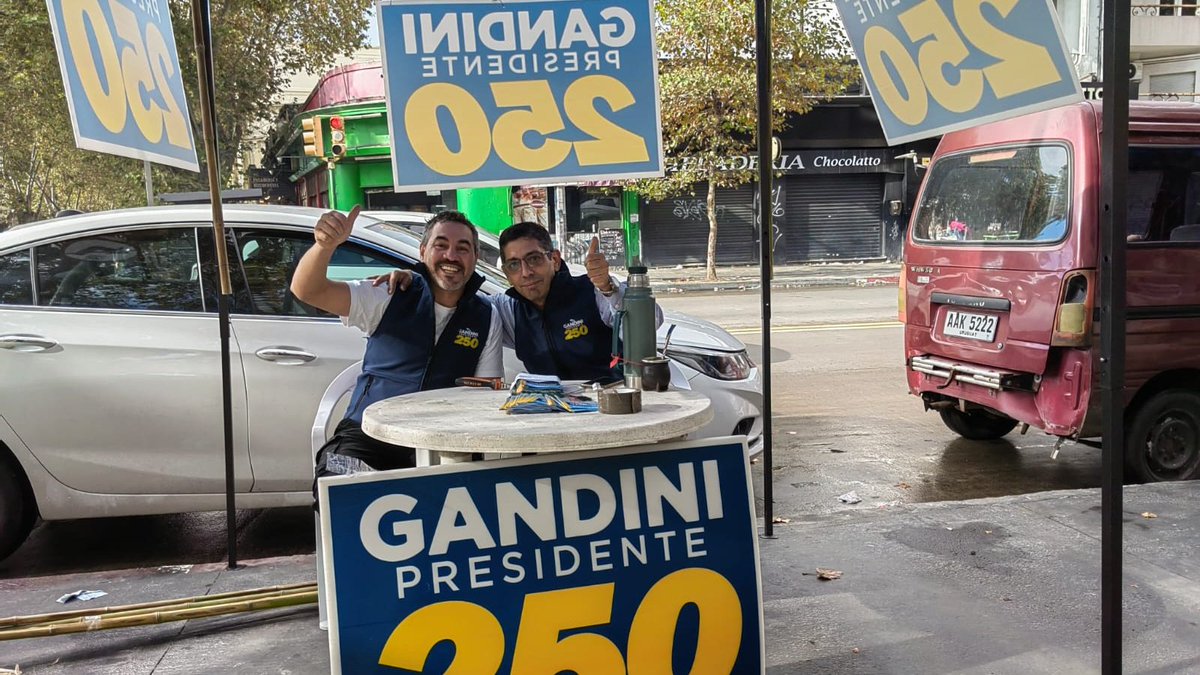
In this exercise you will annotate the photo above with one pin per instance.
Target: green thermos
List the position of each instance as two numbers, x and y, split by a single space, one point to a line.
637 329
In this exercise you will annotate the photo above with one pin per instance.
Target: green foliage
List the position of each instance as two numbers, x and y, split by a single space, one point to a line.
708 87
257 44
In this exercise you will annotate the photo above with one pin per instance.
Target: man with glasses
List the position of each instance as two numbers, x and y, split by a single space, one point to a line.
557 323
423 339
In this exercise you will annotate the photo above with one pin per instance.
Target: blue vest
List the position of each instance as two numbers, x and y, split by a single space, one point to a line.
567 337
401 356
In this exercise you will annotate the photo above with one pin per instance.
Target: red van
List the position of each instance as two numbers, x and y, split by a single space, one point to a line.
999 289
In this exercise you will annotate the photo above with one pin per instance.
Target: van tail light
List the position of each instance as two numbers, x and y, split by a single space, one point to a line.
902 294
1073 320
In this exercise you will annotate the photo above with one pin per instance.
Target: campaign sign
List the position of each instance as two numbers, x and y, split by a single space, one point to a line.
123 84
934 66
635 560
527 91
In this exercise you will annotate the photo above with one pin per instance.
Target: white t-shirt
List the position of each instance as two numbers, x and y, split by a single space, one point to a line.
368 303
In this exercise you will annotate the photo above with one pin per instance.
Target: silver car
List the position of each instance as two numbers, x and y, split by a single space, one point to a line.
110 361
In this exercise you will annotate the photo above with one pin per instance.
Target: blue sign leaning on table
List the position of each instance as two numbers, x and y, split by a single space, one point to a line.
638 560
123 83
933 66
526 91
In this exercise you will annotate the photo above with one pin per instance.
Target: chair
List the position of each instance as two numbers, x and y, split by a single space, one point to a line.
341 386
1186 233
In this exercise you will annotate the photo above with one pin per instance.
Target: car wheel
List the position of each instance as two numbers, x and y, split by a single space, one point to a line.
1162 441
17 511
977 424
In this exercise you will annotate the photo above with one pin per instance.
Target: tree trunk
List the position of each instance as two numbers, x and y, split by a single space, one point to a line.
710 268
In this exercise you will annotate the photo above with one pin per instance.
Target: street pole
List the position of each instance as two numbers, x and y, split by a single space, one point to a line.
202 28
762 39
1114 169
149 180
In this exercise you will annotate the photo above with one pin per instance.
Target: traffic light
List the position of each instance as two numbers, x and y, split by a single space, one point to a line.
314 143
337 136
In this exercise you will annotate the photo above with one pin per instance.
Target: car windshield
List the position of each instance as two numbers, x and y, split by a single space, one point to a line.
1010 196
405 235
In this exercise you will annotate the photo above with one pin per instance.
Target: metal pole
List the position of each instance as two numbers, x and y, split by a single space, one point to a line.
1114 168
762 39
149 180
201 25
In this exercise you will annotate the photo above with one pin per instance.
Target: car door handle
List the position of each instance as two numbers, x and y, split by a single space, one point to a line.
26 343
285 356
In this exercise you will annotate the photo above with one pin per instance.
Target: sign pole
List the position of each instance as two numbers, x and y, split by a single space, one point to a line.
1114 163
149 180
201 24
762 39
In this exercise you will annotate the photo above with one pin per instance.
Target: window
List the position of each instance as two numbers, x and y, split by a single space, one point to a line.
269 260
1009 196
139 269
15 287
1164 194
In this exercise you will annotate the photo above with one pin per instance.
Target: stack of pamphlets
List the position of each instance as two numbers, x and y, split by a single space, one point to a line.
544 394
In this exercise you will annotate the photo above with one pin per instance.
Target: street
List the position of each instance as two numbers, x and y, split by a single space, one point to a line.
843 422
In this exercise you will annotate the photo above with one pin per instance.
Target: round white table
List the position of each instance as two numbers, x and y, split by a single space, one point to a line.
464 420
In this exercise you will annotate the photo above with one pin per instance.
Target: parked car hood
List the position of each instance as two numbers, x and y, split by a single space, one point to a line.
693 332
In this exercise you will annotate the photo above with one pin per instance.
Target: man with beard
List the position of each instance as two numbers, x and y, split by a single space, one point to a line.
419 340
557 323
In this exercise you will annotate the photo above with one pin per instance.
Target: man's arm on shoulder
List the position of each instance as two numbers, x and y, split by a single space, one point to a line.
491 359
504 306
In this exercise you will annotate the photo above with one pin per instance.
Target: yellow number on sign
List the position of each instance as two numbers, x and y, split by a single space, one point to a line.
164 69
135 66
652 633
108 105
539 651
469 118
477 636
910 109
1023 65
945 49
612 144
542 117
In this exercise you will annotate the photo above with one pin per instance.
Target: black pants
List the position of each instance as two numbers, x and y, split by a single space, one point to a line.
350 445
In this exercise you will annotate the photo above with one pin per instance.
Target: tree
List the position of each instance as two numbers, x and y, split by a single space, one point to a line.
708 89
257 45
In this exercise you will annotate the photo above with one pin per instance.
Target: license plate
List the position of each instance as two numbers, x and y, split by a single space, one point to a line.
971 326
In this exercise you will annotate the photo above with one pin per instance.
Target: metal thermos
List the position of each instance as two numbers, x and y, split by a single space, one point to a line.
637 328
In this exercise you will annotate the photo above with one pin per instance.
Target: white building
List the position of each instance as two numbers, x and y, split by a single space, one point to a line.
1164 44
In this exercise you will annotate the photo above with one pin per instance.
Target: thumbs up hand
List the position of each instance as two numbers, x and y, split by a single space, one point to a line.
333 228
597 267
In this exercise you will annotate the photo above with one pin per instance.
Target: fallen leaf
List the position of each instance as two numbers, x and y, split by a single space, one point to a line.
780 520
903 486
1148 515
827 574
855 650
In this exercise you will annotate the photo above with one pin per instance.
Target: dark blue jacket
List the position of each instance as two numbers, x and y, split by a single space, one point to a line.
401 357
567 338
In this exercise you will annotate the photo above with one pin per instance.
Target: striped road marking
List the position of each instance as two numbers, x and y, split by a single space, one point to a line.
813 328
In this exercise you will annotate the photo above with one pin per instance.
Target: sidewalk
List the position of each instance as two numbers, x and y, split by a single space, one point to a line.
1008 585
682 279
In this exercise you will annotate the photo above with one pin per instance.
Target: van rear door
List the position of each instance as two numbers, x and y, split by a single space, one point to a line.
981 275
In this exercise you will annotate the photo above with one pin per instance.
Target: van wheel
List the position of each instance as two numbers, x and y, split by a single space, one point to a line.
17 512
1163 439
977 424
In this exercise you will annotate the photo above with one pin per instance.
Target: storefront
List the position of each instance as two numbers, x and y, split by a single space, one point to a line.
834 204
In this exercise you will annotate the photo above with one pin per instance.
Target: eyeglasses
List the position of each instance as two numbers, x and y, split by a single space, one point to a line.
535 260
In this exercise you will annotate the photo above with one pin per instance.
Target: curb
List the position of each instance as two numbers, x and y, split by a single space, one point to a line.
776 284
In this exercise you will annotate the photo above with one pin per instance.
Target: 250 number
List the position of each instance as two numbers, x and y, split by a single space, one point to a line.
1022 65
144 63
534 110
479 639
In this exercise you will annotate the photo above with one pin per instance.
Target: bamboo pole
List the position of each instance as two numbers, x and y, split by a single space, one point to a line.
14 621
159 615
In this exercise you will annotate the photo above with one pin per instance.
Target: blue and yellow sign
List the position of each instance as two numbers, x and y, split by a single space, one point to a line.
123 84
934 66
527 91
637 560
